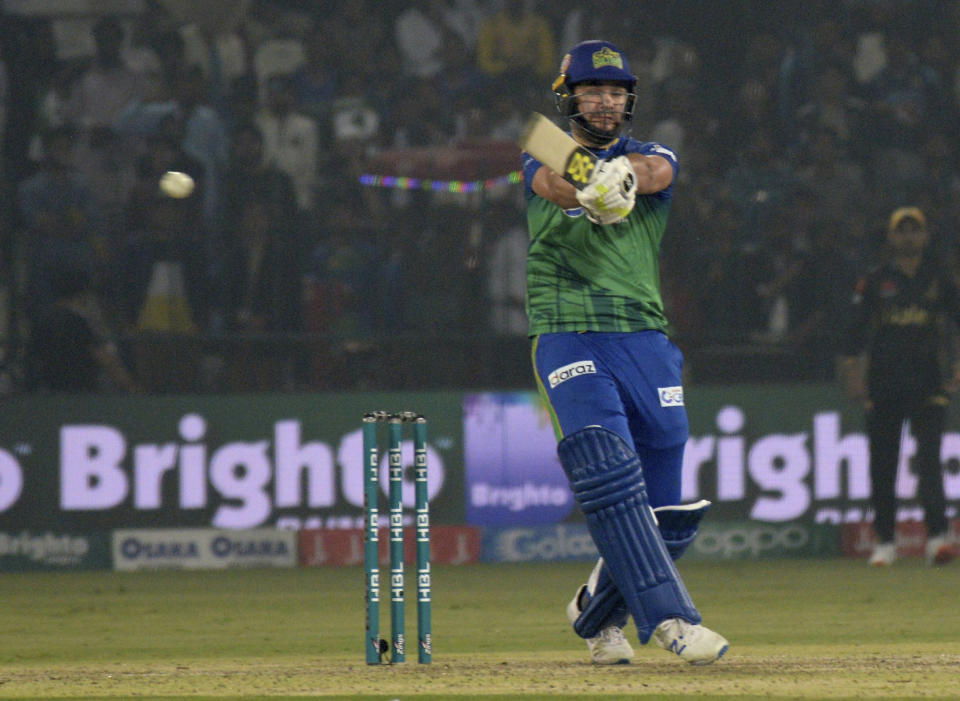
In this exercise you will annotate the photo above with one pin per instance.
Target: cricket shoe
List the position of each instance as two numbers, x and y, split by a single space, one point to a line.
940 550
610 646
883 555
694 643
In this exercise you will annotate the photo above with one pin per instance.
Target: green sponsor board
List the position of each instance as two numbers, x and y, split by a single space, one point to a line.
770 454
25 550
80 464
750 540
779 453
724 540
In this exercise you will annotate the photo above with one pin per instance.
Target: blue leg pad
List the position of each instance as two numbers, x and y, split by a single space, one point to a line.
607 481
678 526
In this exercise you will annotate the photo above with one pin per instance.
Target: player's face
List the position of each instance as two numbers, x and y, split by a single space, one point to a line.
908 238
602 106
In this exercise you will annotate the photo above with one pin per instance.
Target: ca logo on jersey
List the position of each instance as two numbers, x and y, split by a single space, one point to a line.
670 396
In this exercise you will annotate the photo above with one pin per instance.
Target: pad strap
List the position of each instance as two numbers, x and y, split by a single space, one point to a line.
607 481
603 606
680 524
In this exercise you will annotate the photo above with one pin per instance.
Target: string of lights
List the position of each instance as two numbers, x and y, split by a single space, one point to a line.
399 182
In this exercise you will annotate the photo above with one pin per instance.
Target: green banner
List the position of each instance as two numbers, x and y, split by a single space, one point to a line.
768 454
751 540
778 453
26 551
80 464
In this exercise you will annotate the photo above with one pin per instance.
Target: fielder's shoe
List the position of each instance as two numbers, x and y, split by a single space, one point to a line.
694 643
939 550
883 555
610 647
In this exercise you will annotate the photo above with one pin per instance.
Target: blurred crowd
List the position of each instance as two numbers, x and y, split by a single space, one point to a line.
799 126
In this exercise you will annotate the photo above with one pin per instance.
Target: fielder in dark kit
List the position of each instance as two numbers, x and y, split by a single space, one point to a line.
897 362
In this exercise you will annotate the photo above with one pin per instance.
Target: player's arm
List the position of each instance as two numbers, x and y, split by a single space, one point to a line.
853 361
654 173
951 331
852 370
552 187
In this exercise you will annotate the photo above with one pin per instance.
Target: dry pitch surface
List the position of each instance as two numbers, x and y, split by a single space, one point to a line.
798 629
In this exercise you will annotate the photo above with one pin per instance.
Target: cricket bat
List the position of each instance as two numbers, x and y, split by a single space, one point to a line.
557 150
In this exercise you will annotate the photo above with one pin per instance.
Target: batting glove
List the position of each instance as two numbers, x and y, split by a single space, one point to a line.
611 193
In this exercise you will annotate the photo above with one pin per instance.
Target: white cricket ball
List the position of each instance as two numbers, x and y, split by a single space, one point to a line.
176 184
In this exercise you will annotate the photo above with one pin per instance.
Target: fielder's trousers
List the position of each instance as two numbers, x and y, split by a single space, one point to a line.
885 420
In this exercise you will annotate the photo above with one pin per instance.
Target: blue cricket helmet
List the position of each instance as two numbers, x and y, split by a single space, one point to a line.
593 61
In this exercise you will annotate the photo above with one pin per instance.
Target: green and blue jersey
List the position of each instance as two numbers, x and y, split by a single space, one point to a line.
585 277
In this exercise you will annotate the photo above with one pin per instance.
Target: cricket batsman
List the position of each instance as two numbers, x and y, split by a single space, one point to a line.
610 376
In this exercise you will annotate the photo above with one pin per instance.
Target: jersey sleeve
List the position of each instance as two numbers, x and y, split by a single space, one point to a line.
951 299
652 148
530 167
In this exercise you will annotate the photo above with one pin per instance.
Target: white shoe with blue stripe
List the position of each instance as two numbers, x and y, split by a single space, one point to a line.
694 643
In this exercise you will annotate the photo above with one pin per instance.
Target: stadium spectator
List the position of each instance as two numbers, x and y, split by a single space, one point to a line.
905 101
29 54
263 267
813 73
728 267
752 109
98 95
940 183
464 86
827 274
873 25
171 53
161 153
834 180
420 32
517 46
215 45
67 351
278 55
832 105
424 121
366 56
161 270
188 119
464 18
59 217
359 127
290 140
817 44
316 81
260 291
900 362
506 283
251 176
600 18
759 180
108 85
244 102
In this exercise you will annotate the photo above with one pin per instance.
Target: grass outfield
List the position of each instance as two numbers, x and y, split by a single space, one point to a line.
797 628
